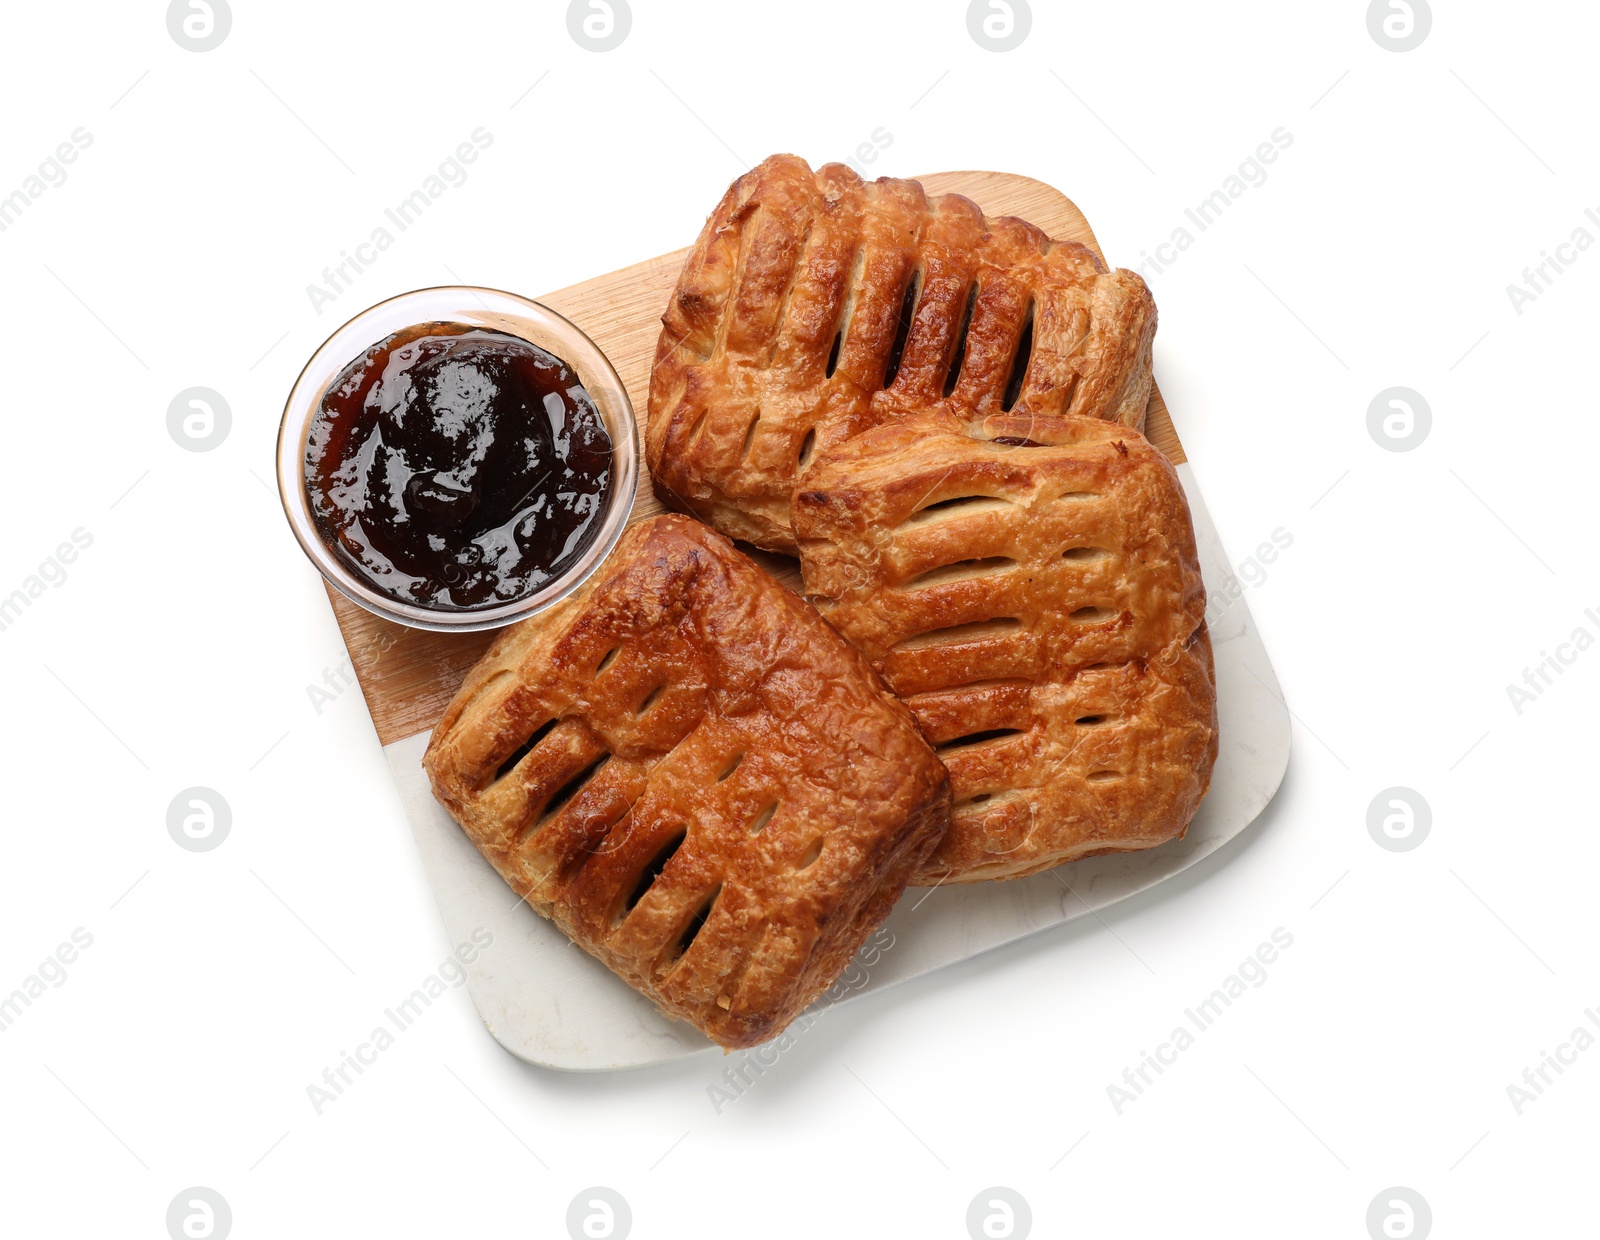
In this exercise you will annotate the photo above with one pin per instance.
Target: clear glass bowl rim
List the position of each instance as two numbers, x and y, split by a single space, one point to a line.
493 309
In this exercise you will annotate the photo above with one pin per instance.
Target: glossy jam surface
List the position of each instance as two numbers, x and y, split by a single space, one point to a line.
457 468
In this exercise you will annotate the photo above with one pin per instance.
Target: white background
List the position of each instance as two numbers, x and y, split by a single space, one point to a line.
179 649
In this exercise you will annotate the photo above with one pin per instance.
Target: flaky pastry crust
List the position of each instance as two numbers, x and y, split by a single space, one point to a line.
815 306
1031 590
695 778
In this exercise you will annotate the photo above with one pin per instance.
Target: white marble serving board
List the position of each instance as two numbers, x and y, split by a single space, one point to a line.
551 1004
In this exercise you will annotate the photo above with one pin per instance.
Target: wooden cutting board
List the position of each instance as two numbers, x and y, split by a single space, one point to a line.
409 676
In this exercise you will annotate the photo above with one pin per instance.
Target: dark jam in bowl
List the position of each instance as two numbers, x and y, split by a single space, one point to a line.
457 468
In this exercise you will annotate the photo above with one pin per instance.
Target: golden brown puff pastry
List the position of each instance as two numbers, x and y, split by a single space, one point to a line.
816 305
695 778
1034 596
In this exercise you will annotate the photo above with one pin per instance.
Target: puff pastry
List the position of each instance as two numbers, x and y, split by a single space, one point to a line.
1032 592
815 305
695 778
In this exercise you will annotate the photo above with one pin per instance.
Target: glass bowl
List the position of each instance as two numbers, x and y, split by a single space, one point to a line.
477 307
